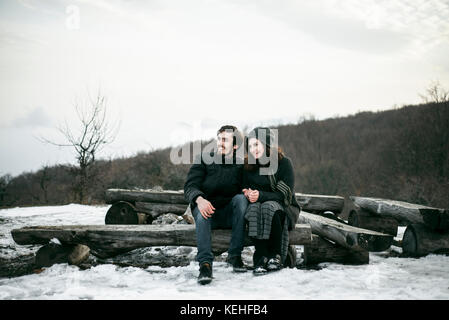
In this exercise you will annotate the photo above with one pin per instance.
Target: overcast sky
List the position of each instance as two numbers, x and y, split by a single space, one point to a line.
174 71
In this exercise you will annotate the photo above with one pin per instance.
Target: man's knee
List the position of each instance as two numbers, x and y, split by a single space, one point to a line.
199 219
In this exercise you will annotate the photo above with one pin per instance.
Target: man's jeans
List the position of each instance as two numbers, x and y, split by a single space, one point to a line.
230 216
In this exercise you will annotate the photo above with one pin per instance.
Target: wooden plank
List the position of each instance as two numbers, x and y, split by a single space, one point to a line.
110 240
345 235
320 203
405 213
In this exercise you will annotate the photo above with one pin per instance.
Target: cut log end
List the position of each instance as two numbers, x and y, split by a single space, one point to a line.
121 213
419 240
53 253
409 241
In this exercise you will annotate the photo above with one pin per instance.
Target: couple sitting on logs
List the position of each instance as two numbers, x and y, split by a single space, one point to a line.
228 191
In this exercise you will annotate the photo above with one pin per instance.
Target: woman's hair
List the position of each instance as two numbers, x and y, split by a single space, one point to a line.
254 163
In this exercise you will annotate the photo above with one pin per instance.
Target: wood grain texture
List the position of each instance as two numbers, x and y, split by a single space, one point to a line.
345 235
322 250
405 213
109 240
363 219
320 203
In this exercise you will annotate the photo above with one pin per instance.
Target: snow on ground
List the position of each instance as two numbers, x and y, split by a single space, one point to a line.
384 278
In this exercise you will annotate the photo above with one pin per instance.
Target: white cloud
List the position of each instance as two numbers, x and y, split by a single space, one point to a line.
36 118
202 63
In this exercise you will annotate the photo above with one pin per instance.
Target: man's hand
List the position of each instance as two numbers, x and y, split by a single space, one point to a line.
246 192
206 208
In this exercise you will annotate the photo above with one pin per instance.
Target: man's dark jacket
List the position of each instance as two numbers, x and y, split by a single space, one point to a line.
216 182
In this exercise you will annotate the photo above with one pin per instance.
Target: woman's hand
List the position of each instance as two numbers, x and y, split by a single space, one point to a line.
253 196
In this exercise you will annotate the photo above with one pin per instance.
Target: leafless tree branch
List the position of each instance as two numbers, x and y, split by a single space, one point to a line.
96 132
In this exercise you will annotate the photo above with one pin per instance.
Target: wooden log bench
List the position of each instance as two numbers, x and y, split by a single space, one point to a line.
322 250
314 203
362 218
143 206
405 213
106 241
345 235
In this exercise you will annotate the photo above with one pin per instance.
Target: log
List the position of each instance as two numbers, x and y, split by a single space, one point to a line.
53 253
78 254
361 218
345 235
322 250
110 240
405 213
438 221
17 266
166 196
320 203
122 212
25 264
309 202
419 240
157 209
290 260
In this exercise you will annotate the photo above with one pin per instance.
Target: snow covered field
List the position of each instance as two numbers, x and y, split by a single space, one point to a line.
384 278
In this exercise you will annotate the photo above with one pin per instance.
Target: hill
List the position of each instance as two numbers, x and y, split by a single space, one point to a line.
400 154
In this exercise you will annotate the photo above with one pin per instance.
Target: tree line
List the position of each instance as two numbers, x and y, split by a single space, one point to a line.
399 154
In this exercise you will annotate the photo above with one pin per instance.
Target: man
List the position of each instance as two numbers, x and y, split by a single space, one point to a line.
213 189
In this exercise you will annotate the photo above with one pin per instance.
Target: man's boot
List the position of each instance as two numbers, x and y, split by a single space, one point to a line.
237 264
205 276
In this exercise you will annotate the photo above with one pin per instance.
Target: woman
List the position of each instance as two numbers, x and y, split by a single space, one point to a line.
268 196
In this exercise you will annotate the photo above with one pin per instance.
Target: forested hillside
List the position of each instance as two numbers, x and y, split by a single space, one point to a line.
399 154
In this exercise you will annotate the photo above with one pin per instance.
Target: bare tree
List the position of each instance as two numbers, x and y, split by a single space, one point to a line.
45 176
435 93
4 181
94 134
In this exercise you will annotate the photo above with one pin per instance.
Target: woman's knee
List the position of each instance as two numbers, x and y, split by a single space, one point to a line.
268 205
